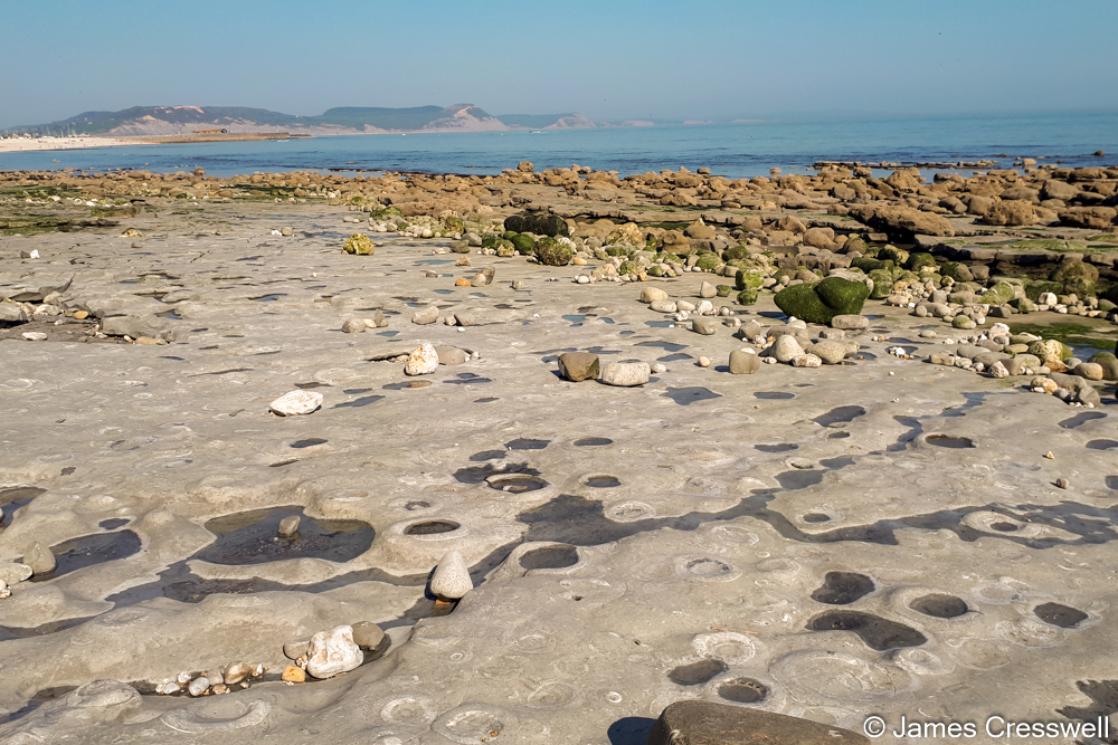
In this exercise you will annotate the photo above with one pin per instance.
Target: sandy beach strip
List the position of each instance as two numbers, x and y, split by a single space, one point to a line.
77 142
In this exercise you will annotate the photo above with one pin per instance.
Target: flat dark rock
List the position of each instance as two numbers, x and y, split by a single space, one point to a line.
707 723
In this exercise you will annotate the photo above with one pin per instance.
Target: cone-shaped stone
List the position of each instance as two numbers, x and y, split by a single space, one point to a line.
40 559
451 580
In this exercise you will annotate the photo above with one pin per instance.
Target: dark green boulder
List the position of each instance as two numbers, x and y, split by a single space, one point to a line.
538 222
843 296
822 301
524 243
802 302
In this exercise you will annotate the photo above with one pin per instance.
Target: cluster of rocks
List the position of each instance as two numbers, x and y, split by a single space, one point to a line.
965 306
1049 363
331 652
581 366
216 682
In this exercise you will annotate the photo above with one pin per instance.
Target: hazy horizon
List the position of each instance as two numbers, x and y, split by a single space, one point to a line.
626 60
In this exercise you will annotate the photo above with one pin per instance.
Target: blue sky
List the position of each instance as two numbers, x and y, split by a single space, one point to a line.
620 59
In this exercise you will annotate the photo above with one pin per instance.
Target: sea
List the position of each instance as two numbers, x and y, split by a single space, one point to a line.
738 150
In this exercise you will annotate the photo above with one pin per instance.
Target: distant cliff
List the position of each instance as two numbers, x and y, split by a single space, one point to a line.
175 120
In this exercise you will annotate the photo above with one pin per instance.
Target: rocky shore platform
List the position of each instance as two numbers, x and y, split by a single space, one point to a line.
531 458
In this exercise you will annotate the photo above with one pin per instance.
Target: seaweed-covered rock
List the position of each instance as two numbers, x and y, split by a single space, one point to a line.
749 279
553 252
843 296
748 296
524 244
821 302
957 271
359 244
802 302
919 261
709 261
538 222
1109 364
882 283
1076 276
999 293
898 256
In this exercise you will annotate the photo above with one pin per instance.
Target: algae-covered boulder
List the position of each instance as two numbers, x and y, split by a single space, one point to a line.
882 283
709 261
999 293
918 261
891 253
524 244
957 271
748 279
1075 276
538 222
553 252
359 244
748 296
802 302
844 296
819 303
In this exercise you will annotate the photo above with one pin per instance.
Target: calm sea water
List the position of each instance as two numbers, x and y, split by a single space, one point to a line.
737 150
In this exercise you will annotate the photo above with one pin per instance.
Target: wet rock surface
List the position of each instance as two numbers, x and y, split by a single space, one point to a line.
823 542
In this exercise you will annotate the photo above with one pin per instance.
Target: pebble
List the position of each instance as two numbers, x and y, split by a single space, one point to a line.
423 360
293 674
168 687
289 525
333 652
367 634
484 277
704 362
5 592
236 672
787 348
807 360
294 403
198 686
626 374
708 723
659 367
451 579
295 648
744 362
449 355
707 290
425 316
1088 370
704 325
579 366
1062 483
652 294
34 336
830 352
850 322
